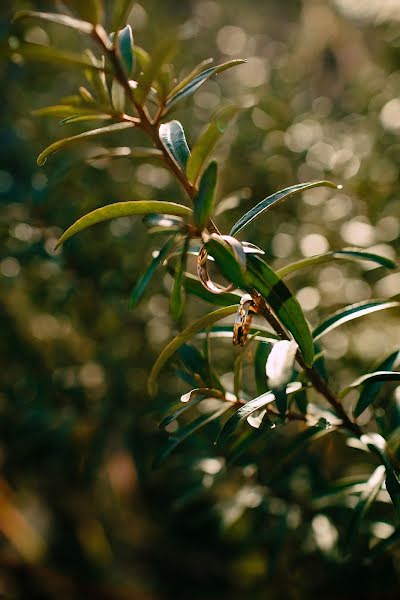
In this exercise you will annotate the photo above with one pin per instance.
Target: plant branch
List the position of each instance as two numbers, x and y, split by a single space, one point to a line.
146 123
319 384
151 128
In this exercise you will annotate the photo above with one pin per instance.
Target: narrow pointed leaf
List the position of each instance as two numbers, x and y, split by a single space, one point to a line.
367 498
264 205
184 432
144 280
204 200
192 86
76 139
97 78
85 118
261 277
118 97
260 360
183 337
49 55
181 410
352 254
125 49
280 362
177 295
237 370
162 54
351 312
283 303
226 332
198 69
63 110
173 138
279 370
66 20
371 377
241 415
207 141
194 361
124 209
371 389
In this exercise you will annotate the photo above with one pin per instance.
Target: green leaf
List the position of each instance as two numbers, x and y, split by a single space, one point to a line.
241 415
371 377
204 200
198 69
261 277
264 205
260 360
377 444
177 296
121 10
231 259
182 409
194 286
351 312
279 369
226 332
142 57
97 78
63 110
123 209
60 144
173 138
77 24
184 432
144 280
192 86
125 49
393 489
85 118
183 337
162 54
163 82
47 54
118 97
283 303
280 362
207 140
367 498
339 491
353 254
194 362
237 370
371 390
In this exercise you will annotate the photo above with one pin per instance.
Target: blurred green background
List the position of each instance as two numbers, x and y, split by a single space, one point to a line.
82 512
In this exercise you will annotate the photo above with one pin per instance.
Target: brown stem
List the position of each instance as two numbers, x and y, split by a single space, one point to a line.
319 384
